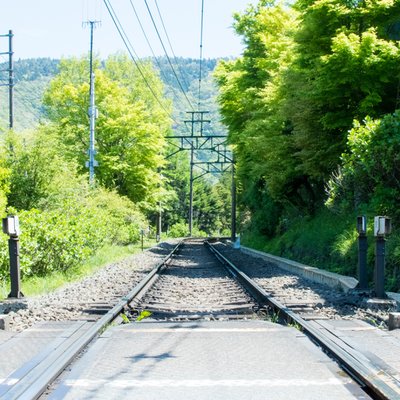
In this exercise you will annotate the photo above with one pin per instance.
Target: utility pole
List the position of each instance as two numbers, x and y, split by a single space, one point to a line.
200 120
92 163
11 78
191 179
159 214
10 71
212 143
233 212
159 222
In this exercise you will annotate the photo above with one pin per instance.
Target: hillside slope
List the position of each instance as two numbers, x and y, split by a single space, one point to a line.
33 75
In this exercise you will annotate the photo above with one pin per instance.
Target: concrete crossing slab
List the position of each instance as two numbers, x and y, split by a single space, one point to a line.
23 347
205 360
380 346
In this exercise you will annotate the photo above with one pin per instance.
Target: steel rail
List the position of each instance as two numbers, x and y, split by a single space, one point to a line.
381 384
36 380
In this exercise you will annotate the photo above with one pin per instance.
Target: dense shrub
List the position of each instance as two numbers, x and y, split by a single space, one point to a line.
371 167
71 230
181 229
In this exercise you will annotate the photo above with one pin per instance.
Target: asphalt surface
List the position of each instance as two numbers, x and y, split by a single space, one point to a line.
233 360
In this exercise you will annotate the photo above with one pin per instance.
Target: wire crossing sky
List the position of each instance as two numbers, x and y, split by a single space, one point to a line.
48 28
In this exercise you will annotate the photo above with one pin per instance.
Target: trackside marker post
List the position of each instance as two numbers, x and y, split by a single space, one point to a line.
382 228
11 228
142 238
362 252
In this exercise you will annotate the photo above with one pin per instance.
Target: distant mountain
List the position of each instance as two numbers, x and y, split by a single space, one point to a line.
31 79
33 75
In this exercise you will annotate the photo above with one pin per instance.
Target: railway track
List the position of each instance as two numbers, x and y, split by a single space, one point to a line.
311 300
195 285
190 284
378 382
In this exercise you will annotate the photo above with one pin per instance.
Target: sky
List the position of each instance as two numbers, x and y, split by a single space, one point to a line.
54 28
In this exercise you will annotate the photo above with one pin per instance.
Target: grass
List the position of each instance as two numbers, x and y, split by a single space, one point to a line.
34 286
327 241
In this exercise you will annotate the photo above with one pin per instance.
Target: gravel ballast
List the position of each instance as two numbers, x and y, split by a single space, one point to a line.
102 289
291 289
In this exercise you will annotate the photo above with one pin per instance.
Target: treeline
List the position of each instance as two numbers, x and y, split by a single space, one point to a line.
187 70
311 110
44 180
31 69
32 76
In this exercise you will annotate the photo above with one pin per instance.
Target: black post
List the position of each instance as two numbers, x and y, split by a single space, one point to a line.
159 223
362 261
13 246
233 212
380 267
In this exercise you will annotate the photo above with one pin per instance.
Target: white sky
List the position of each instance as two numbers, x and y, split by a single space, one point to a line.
53 28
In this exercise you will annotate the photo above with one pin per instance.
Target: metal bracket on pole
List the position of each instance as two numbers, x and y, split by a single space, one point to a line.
217 144
10 71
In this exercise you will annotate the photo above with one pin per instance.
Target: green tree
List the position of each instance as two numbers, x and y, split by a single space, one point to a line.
307 71
130 129
370 173
345 68
177 175
4 181
252 102
37 167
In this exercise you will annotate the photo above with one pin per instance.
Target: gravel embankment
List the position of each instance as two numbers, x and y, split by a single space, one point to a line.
105 287
293 290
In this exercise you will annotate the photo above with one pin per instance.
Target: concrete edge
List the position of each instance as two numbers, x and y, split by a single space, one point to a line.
330 279
394 296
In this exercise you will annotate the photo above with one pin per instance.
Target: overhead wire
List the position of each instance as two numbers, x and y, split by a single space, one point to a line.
168 58
132 52
161 68
151 49
182 74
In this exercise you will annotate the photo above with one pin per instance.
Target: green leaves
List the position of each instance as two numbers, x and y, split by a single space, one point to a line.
130 129
70 227
144 314
63 220
371 165
306 73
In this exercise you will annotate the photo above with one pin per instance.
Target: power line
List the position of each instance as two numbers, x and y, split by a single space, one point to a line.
151 49
166 54
131 50
170 46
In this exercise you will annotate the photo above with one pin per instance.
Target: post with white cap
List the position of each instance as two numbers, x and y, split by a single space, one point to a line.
362 252
382 228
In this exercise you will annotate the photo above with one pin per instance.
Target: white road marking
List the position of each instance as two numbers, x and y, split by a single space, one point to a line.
8 381
163 383
200 330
